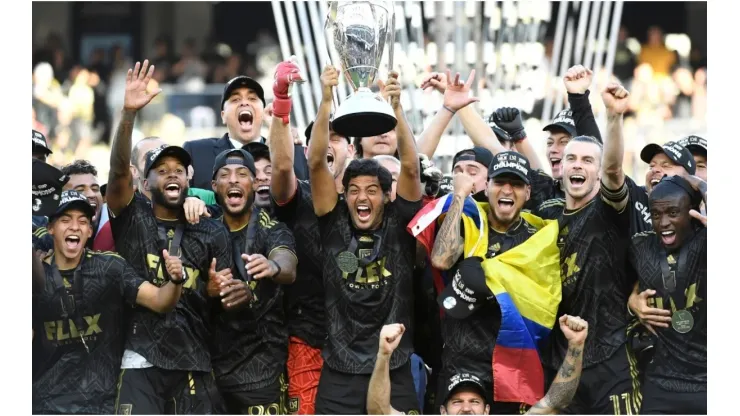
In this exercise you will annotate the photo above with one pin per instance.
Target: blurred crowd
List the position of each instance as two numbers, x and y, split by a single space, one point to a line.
76 105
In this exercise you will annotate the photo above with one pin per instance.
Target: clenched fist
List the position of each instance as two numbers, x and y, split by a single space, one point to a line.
574 328
329 80
391 89
616 98
286 73
577 79
463 185
390 337
173 265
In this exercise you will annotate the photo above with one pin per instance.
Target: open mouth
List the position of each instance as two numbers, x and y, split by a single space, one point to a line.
172 190
654 182
555 164
246 118
577 180
506 203
72 242
330 159
234 196
668 237
263 191
363 212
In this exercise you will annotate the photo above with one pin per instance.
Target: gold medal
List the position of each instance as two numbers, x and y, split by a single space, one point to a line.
682 321
347 262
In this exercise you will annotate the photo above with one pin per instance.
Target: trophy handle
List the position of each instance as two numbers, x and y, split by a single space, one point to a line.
391 38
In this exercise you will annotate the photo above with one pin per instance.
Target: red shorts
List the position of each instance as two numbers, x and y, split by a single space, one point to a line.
304 371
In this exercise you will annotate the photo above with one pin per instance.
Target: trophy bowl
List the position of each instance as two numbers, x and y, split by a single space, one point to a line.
356 33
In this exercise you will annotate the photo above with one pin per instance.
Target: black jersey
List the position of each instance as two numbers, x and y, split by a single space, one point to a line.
680 360
593 245
469 342
41 238
639 207
77 355
375 292
250 345
304 299
177 340
543 188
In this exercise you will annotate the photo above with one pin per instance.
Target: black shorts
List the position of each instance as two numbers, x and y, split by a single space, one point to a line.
611 387
656 401
346 394
152 391
269 400
497 408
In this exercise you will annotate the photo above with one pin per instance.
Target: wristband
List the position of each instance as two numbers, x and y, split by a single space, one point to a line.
181 281
448 109
279 269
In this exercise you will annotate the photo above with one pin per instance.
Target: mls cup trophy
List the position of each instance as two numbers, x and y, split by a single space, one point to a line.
357 32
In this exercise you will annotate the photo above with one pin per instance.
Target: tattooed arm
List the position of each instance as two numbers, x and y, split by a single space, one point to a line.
448 246
564 387
379 389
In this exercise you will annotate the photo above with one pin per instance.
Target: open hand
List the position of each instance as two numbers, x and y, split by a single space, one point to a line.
457 93
194 209
215 279
136 95
649 317
259 267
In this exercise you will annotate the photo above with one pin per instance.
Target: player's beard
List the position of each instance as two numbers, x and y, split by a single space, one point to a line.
159 198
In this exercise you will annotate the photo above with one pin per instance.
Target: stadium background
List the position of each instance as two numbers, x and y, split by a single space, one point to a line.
81 51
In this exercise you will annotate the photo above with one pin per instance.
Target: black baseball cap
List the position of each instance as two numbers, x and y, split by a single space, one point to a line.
258 150
155 155
695 144
307 132
242 81
564 121
677 153
72 199
39 142
464 380
467 291
476 154
510 163
46 189
500 133
231 157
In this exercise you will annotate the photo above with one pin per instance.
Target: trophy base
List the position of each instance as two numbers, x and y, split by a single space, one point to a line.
364 114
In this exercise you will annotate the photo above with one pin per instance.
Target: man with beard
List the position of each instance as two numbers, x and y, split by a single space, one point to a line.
305 315
672 264
78 313
242 111
469 339
698 148
40 147
593 239
368 260
166 366
250 346
262 174
83 178
464 393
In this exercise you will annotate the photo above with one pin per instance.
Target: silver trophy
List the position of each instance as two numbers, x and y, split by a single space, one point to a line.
356 33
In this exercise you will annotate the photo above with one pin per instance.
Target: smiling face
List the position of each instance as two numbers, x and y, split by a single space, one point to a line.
70 231
581 169
671 219
242 113
262 182
385 144
234 188
701 166
661 165
556 143
366 202
87 184
507 195
338 153
168 183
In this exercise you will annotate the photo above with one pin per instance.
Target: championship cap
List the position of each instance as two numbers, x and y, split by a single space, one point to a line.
695 144
467 291
564 120
677 153
510 163
460 380
39 142
46 188
242 81
232 157
258 150
155 155
73 200
476 154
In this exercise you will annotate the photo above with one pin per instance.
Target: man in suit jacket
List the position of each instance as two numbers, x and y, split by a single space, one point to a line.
242 111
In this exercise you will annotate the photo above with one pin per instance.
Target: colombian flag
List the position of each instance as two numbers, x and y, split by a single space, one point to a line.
526 283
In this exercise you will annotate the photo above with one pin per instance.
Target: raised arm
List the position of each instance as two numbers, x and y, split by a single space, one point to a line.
563 388
409 178
510 120
701 186
577 80
282 149
448 246
616 100
456 97
323 189
379 390
120 180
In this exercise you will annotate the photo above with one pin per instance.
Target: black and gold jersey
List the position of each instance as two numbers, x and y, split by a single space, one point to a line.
77 348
